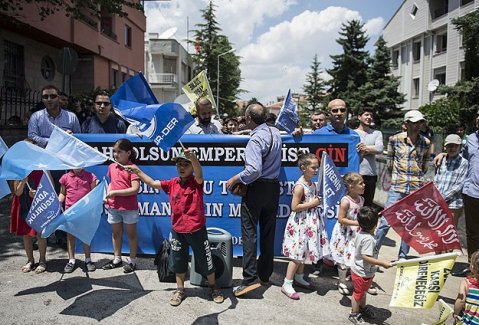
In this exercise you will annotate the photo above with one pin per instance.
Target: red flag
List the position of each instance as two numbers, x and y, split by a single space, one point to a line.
424 221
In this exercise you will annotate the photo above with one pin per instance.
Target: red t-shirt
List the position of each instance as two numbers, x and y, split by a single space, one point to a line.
76 186
120 179
186 200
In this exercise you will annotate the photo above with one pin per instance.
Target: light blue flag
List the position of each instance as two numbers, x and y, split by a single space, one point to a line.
83 218
45 205
63 151
288 115
332 190
4 188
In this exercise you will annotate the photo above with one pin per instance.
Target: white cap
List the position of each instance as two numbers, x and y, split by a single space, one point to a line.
452 138
414 116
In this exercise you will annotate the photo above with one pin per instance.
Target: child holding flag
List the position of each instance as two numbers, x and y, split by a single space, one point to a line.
467 302
363 266
342 238
75 184
305 235
188 222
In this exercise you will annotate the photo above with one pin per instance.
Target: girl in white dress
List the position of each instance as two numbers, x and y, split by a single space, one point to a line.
345 229
304 236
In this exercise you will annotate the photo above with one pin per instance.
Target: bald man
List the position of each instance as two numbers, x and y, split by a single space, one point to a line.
337 117
261 172
204 124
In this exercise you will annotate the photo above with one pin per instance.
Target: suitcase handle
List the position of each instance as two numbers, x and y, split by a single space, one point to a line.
217 231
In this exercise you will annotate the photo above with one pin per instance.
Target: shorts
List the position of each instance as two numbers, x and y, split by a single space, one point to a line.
128 217
361 285
198 240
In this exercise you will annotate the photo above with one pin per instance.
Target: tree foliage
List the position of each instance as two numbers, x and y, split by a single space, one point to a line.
314 86
210 44
381 88
468 26
349 69
441 114
72 8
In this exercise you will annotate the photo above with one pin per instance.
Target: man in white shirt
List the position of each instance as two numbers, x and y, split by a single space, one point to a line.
203 123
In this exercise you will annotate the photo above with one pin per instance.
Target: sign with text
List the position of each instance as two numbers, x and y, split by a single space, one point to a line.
424 221
221 157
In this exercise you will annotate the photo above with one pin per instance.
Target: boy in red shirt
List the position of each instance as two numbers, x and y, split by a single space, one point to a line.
188 222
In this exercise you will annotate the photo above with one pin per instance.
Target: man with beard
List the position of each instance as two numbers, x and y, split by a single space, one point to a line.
371 144
204 124
104 121
40 125
260 204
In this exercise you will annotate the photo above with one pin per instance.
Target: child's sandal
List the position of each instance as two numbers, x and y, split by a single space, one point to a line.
28 267
42 267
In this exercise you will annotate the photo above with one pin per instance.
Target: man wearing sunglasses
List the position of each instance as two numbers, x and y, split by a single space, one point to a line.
337 117
104 121
40 125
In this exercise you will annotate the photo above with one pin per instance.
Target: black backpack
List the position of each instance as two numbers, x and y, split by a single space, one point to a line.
162 262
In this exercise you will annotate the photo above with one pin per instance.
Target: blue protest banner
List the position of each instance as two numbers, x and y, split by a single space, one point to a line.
134 92
332 190
288 116
221 156
81 219
45 205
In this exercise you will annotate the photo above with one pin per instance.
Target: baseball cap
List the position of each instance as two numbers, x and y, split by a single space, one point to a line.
452 138
414 116
180 156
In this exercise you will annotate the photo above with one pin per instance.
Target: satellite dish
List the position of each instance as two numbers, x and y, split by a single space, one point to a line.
168 33
432 85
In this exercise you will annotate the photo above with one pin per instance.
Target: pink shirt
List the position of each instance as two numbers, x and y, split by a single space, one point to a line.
76 186
120 179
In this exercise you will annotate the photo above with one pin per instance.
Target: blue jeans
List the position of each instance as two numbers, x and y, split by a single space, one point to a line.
383 227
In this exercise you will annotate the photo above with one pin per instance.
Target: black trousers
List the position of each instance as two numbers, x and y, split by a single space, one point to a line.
260 205
369 189
471 207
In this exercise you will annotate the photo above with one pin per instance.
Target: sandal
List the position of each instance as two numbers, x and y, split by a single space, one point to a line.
42 267
343 289
294 295
28 267
111 265
216 295
177 297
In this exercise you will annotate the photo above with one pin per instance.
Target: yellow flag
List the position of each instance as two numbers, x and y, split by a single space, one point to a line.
444 312
419 281
199 87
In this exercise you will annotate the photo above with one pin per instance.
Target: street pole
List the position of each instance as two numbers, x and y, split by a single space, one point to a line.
218 80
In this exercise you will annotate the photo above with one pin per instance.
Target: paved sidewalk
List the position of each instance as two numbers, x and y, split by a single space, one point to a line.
111 297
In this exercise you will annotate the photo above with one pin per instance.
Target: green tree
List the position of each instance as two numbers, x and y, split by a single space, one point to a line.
468 26
441 114
349 68
314 86
210 44
10 9
381 88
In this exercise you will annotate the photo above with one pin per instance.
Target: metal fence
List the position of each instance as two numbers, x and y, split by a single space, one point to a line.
15 105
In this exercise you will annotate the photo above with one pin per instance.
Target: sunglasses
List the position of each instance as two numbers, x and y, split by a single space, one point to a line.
336 110
51 96
103 103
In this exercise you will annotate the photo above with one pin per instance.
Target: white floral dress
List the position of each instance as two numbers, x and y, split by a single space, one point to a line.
305 235
342 238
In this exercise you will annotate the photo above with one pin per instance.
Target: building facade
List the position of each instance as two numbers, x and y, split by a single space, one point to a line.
426 49
168 67
76 55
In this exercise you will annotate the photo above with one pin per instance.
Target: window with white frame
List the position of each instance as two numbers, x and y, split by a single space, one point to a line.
395 58
440 74
441 42
414 10
415 88
416 51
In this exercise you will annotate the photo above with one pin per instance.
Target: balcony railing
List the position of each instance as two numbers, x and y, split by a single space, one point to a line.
162 78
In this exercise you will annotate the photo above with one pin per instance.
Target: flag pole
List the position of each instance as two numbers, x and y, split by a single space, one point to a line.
181 143
426 258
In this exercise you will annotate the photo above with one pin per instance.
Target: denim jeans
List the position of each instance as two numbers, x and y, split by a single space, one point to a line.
383 227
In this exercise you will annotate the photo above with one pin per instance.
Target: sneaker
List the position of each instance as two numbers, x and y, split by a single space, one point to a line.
90 266
367 312
243 289
128 268
356 318
373 291
343 289
111 265
216 295
293 295
177 297
69 268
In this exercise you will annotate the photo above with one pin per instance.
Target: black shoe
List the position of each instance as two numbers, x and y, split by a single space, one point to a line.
462 272
112 265
128 268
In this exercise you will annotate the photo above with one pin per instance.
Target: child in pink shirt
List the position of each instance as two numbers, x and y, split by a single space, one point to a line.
75 184
122 203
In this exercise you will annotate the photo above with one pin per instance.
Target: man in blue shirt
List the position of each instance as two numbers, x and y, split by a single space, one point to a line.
104 121
261 172
40 125
337 117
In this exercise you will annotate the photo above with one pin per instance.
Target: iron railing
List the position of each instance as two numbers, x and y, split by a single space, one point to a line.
15 105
